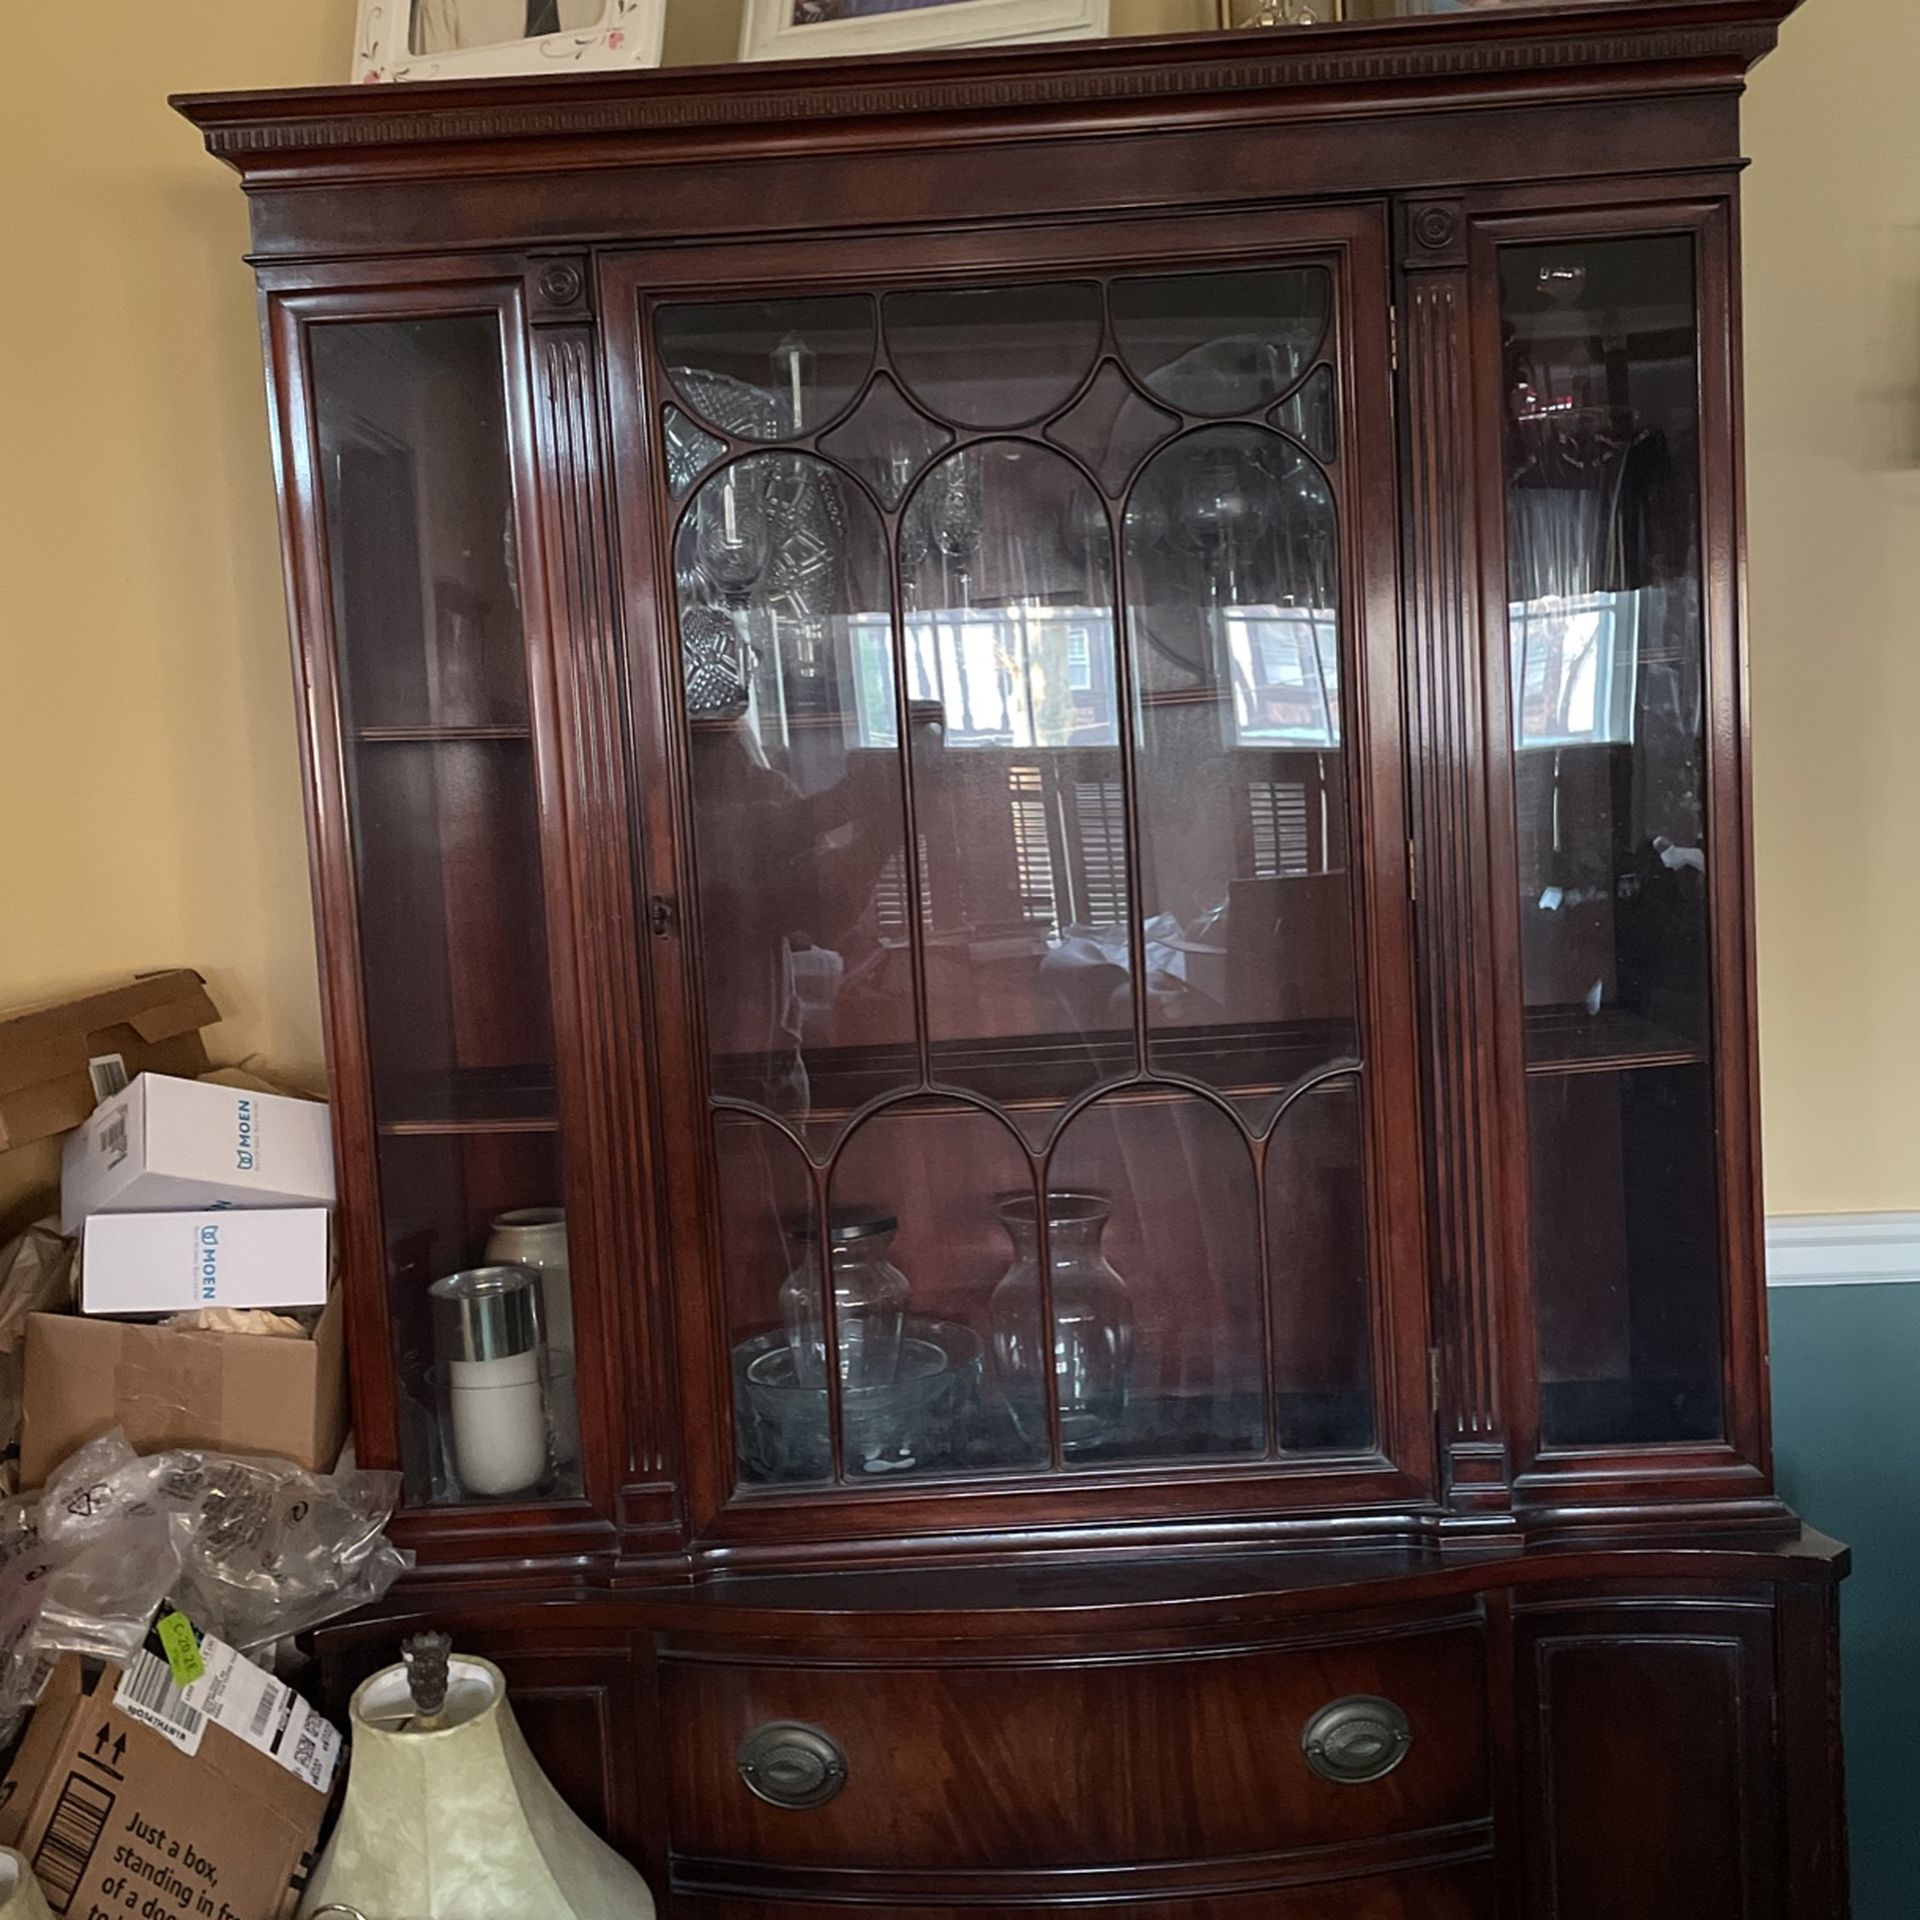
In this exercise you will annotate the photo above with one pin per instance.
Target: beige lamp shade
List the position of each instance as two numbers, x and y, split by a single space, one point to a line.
20 1895
451 1819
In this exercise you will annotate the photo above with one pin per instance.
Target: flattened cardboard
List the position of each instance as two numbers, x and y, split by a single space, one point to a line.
153 1022
229 1392
115 1819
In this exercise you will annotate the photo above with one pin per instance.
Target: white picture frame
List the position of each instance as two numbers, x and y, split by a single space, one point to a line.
769 30
625 33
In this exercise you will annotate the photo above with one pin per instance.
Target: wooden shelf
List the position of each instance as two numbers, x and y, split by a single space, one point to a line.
1049 1070
470 1100
1563 1040
435 736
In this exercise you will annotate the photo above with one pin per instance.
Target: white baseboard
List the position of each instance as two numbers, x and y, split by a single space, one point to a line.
1843 1249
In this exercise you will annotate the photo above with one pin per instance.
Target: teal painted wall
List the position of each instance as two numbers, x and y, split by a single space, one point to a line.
1846 1409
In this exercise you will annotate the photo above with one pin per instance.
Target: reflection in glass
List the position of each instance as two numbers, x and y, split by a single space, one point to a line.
994 356
1177 1175
886 442
797 795
939 1168
768 369
1112 429
1316 1218
1312 415
1007 572
1092 1318
939 909
1608 658
691 451
1626 1247
1233 573
1221 343
767 1215
1609 703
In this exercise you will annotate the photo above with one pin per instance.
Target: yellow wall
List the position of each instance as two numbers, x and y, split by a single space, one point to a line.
148 782
1833 358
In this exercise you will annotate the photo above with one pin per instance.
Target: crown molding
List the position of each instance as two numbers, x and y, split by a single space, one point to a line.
1325 72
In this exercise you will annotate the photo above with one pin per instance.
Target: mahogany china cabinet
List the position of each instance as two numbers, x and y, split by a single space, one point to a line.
1057 735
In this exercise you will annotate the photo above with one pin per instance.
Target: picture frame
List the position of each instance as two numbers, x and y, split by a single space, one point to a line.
777 30
399 40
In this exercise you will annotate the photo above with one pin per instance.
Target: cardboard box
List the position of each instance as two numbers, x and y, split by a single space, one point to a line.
118 1818
168 1145
160 1263
228 1392
152 1022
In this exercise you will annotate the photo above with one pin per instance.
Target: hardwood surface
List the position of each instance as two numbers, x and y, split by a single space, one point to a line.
1443 1432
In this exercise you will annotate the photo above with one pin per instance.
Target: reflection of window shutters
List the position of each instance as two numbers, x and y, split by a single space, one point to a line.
890 896
543 16
1100 817
1280 841
1032 849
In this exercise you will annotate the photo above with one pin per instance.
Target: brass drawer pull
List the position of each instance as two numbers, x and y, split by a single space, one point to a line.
789 1765
1357 1740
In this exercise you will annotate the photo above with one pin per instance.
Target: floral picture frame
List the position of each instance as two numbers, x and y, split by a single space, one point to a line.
784 30
422 39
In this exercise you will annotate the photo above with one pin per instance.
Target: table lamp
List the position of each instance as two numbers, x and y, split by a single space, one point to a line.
20 1895
448 1816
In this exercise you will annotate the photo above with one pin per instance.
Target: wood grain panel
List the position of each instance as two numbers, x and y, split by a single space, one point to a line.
1458 1893
1082 1764
1652 1764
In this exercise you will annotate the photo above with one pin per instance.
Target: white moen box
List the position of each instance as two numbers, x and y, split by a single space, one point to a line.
165 1144
142 1263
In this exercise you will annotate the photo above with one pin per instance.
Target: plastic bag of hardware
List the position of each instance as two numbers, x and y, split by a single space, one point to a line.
36 1276
255 1550
269 1550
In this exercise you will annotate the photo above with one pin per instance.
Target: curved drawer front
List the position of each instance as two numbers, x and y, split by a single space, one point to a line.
1116 1763
1455 1893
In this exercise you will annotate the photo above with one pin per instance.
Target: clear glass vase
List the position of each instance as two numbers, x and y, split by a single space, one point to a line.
869 1301
1092 1322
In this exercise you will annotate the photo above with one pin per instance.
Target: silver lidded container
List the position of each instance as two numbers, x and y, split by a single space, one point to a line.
490 1340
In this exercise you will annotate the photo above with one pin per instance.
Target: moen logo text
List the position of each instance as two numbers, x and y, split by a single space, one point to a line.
209 1260
243 1137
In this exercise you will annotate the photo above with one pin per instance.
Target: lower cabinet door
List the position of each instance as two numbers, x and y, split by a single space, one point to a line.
1647 1758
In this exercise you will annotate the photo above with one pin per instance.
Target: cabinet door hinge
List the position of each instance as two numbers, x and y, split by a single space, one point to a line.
1413 874
1433 1379
1393 335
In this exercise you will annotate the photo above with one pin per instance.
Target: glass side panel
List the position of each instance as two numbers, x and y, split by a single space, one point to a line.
1015 730
445 815
1608 693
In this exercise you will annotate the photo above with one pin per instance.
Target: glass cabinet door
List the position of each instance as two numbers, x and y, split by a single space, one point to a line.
1610 709
430 667
1015 675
